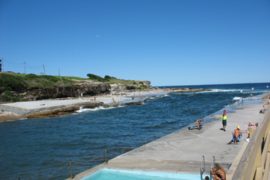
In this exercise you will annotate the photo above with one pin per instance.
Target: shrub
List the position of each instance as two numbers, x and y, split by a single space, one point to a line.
108 78
95 77
12 82
9 96
31 76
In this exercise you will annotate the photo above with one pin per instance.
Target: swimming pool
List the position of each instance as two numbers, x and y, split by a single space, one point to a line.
119 174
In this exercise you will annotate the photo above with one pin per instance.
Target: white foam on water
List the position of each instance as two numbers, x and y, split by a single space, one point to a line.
220 90
243 91
237 98
97 108
226 90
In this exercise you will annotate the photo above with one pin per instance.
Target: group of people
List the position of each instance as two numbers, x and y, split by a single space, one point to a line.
237 133
217 172
198 124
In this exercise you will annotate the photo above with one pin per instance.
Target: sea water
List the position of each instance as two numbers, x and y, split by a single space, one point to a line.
55 148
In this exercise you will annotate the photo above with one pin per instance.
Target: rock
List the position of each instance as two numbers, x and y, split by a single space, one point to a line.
7 116
135 85
62 110
85 89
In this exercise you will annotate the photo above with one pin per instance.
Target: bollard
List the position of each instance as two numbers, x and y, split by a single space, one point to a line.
70 169
105 155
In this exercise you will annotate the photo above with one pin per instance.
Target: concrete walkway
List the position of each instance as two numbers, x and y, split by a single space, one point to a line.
183 150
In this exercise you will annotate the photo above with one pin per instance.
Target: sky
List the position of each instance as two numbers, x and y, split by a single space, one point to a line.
168 42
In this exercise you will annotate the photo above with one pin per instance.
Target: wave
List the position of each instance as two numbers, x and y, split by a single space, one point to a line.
159 96
219 90
226 90
237 98
81 110
243 91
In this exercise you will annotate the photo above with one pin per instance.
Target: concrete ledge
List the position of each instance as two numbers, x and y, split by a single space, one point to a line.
252 162
182 150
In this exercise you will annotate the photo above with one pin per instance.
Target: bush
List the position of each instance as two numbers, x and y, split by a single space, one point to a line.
12 82
107 78
95 77
31 76
9 96
50 78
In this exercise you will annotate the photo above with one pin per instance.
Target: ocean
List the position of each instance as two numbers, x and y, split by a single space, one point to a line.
56 148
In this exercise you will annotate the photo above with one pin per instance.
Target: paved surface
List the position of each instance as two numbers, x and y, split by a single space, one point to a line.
183 150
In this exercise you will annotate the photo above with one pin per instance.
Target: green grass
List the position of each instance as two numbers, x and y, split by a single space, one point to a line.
12 82
22 82
75 78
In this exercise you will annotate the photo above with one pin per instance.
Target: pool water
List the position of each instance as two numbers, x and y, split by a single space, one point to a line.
117 174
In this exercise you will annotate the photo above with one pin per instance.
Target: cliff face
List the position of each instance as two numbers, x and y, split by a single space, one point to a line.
83 89
67 91
136 85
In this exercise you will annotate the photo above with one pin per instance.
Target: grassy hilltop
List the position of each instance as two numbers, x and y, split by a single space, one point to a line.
17 87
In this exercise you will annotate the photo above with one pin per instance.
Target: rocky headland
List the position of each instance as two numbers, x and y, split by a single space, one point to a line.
34 96
27 87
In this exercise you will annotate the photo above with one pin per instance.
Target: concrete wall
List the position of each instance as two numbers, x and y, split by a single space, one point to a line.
254 163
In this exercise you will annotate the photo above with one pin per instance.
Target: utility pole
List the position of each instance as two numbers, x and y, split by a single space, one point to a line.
24 67
59 73
0 65
44 71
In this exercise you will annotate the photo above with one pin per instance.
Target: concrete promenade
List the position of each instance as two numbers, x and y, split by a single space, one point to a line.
182 150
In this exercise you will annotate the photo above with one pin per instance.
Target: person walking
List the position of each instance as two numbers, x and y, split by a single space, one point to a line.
224 119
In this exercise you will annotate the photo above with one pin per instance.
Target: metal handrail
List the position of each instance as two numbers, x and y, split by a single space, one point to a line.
103 159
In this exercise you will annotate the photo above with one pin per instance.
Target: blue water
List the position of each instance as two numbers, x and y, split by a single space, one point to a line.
113 174
54 148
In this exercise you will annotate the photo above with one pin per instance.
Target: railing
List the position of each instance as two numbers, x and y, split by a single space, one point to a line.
108 153
255 161
204 171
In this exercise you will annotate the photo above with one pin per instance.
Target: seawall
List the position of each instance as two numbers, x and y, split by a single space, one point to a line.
182 150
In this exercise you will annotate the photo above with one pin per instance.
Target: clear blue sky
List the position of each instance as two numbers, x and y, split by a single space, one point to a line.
169 42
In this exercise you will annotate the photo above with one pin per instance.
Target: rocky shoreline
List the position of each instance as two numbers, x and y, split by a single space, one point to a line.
57 107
